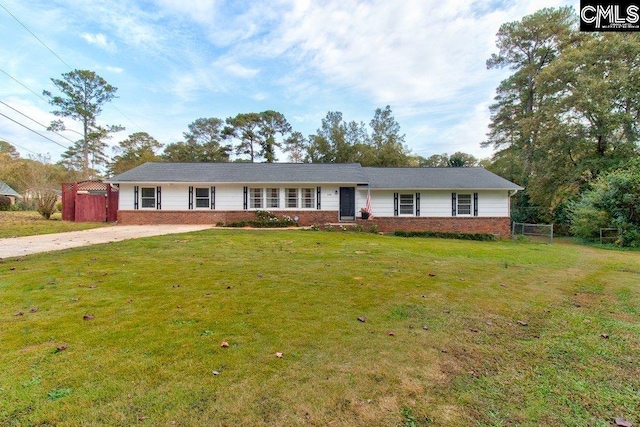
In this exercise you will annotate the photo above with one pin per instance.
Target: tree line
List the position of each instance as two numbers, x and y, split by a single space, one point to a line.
566 119
246 137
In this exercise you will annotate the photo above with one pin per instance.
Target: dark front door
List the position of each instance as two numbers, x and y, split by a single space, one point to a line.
347 204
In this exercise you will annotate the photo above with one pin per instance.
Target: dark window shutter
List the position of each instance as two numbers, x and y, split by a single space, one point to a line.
213 197
454 204
136 197
417 204
190 197
475 204
395 204
246 198
318 193
158 197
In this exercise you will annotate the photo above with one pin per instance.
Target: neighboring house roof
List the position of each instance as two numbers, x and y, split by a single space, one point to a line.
244 173
5 190
346 173
436 179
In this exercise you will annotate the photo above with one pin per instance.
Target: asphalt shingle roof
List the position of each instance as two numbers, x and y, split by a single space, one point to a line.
436 179
346 173
5 190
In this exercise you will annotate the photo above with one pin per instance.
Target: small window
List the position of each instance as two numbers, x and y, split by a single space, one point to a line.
292 197
273 198
464 204
406 204
202 198
256 198
148 197
308 198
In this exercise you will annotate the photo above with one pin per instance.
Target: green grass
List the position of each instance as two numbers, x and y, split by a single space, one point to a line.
440 345
29 223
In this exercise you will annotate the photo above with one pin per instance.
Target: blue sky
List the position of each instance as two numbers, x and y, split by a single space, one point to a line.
175 61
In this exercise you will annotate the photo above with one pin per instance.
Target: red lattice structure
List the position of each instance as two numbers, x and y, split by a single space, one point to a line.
89 201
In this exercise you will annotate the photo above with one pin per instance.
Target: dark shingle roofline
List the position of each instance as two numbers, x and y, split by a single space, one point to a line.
375 178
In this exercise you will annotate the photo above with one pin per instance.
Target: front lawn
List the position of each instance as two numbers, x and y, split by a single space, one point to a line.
372 331
29 223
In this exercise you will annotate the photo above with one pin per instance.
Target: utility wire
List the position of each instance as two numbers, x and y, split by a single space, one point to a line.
36 94
36 37
2 138
21 84
36 132
37 122
61 60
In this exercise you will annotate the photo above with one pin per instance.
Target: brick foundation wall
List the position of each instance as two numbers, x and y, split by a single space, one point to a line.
498 226
149 217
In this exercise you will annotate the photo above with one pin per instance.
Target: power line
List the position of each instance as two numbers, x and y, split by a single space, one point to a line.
36 37
16 145
21 84
37 122
61 60
36 94
36 132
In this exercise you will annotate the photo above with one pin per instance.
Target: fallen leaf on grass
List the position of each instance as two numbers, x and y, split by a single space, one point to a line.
621 422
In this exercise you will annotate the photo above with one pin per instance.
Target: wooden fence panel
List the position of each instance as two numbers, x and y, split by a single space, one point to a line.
69 190
91 208
112 204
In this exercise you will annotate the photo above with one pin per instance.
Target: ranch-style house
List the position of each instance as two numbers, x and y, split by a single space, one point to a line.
461 200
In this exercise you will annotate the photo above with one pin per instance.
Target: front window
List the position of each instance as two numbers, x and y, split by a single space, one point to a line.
256 198
202 198
148 197
464 204
308 198
406 204
273 198
292 197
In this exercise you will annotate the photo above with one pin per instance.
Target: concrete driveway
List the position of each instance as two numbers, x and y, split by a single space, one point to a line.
19 246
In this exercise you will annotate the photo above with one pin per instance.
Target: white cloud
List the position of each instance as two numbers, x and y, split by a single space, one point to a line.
230 66
100 40
117 70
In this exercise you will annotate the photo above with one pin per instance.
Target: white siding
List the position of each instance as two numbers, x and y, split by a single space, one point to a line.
228 197
438 203
493 203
